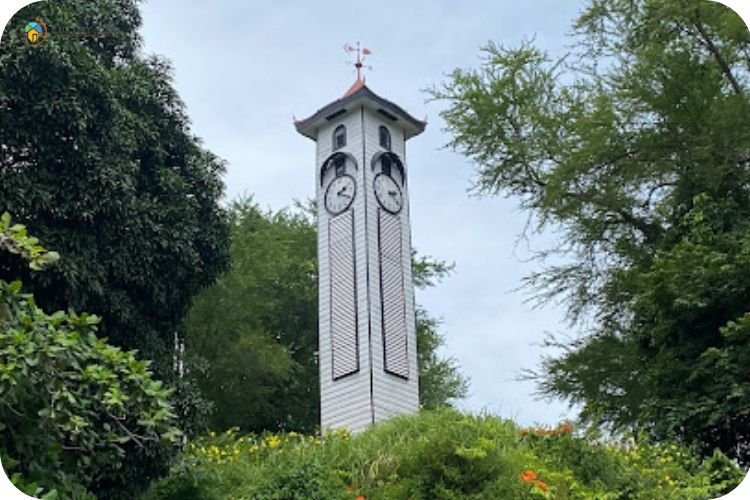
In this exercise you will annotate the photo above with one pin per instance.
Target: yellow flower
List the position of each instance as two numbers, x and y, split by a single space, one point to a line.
273 441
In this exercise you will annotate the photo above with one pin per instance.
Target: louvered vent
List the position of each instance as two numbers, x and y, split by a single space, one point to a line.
392 295
344 341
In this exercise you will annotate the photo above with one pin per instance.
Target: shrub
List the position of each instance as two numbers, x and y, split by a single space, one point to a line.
76 414
441 455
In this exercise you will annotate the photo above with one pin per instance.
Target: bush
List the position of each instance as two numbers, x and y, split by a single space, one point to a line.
77 415
441 455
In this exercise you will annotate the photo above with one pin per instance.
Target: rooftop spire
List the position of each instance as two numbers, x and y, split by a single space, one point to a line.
362 53
354 88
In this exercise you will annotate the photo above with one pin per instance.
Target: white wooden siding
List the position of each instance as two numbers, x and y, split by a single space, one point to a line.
392 395
345 402
371 394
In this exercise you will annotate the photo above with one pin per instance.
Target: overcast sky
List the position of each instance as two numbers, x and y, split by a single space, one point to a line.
244 69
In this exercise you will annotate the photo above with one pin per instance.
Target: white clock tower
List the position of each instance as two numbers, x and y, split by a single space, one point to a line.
367 329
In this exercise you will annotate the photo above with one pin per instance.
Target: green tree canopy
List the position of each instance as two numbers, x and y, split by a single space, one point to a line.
256 328
636 147
253 336
97 159
77 415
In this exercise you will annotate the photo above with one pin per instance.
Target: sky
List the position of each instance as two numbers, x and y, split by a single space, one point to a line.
245 69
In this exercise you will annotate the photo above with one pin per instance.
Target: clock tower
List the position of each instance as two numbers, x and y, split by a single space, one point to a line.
367 325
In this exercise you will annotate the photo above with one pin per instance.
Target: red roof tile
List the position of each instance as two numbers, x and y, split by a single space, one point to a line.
355 87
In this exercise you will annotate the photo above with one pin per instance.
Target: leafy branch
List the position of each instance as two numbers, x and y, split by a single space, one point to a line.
15 239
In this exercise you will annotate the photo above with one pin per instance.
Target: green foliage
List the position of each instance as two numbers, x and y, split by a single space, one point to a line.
76 414
634 147
15 239
97 160
428 272
253 336
256 328
441 455
440 381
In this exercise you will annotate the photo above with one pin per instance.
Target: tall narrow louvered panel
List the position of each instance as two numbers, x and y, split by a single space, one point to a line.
392 295
344 343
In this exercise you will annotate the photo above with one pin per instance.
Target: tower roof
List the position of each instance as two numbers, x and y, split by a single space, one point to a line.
360 94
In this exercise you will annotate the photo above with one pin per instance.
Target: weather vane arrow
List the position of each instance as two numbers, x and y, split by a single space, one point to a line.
362 53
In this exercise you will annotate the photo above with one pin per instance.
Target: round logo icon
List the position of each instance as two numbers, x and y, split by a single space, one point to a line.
35 32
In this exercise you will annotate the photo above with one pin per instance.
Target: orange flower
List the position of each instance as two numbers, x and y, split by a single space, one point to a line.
360 497
565 428
541 485
528 475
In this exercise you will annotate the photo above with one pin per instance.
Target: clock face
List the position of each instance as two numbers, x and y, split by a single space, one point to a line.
388 193
340 194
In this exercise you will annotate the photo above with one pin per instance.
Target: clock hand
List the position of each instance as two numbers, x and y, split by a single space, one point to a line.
393 193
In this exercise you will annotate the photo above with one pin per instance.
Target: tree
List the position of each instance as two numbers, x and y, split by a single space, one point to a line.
96 158
636 146
77 415
255 332
256 328
440 381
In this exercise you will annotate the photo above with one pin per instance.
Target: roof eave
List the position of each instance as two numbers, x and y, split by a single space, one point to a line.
309 126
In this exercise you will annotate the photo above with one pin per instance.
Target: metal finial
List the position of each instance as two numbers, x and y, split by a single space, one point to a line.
362 53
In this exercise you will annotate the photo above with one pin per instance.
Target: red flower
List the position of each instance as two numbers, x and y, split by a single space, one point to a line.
528 476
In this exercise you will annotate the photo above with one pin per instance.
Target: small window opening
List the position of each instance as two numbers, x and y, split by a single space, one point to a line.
385 138
339 137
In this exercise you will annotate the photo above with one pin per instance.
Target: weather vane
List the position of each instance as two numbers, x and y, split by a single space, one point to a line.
362 53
